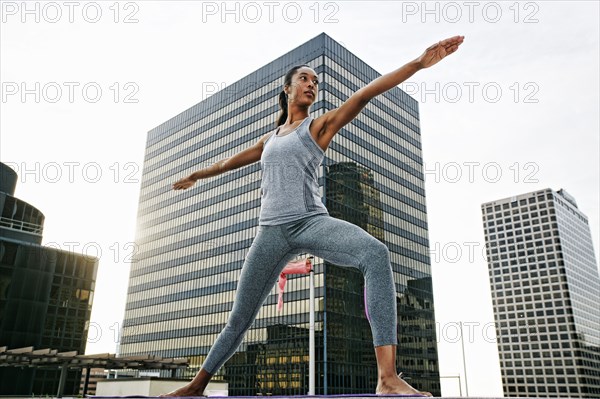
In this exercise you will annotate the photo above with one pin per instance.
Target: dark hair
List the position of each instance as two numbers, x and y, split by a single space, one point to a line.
283 97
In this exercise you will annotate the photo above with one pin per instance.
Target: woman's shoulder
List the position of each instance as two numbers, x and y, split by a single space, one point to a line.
267 136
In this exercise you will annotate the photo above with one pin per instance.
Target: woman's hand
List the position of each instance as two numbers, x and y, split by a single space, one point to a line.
436 52
184 183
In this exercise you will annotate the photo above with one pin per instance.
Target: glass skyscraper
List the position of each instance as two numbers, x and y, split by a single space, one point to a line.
545 294
46 295
192 243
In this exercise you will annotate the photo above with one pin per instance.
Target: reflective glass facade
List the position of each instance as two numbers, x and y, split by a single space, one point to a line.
192 243
46 295
545 293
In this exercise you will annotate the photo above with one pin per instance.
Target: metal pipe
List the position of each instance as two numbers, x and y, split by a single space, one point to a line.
462 341
311 336
62 379
86 382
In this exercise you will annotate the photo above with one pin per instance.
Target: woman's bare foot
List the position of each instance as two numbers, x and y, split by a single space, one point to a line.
187 390
396 385
195 387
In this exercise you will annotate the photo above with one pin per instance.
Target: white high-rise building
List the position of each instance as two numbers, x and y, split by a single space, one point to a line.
545 293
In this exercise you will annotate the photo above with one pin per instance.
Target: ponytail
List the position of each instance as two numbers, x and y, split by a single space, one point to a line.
283 105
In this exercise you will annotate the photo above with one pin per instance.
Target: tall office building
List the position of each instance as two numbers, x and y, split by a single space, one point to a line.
192 243
545 293
45 295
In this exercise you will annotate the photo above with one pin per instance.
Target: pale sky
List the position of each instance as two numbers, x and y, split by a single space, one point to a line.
513 111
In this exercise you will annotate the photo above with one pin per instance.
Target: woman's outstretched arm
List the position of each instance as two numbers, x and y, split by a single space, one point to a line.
242 158
335 119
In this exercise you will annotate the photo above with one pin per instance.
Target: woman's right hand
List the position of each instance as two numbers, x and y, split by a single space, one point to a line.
184 183
436 52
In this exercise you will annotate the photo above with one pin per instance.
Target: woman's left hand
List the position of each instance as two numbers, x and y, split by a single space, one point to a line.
436 52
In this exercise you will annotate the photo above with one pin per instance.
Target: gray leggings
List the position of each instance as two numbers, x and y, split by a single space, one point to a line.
334 240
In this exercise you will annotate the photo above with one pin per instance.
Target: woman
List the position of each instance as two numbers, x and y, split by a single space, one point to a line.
293 219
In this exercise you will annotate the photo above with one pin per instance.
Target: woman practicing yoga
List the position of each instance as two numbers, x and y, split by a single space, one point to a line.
293 219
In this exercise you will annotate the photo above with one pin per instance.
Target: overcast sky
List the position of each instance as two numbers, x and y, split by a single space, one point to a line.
514 110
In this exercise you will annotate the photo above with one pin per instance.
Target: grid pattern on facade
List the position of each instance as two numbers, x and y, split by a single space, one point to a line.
545 286
46 295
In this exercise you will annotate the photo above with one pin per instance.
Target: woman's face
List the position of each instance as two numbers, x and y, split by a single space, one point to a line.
304 87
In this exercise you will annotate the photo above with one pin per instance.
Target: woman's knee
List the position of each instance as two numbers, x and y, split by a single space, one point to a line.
375 255
377 249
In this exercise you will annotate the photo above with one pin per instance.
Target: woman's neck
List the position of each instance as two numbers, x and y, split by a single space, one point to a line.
295 119
296 114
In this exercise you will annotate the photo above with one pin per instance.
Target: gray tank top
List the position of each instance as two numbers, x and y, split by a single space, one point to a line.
289 186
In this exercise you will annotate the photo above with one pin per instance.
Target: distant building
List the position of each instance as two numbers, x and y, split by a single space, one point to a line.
45 295
192 243
546 295
96 374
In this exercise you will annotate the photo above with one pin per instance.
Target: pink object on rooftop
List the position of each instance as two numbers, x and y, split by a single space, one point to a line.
303 266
